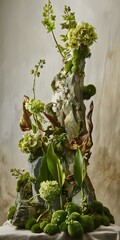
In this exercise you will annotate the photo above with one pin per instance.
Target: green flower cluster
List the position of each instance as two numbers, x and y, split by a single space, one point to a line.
49 190
81 35
35 106
30 143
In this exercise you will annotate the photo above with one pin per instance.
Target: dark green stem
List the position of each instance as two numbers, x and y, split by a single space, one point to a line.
34 87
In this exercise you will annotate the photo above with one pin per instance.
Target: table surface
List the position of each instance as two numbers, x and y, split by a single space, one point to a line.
9 232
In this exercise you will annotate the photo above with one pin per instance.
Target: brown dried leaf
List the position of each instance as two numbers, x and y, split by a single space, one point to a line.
25 121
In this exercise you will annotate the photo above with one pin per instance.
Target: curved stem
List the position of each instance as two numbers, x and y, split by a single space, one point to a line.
33 197
57 44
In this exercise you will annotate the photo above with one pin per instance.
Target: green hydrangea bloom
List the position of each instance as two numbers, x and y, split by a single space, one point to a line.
49 190
30 143
81 35
35 106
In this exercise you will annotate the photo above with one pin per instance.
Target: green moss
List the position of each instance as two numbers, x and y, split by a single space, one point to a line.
29 223
106 211
11 212
105 220
63 227
75 230
108 214
58 217
72 207
43 224
111 218
97 220
97 207
36 228
51 229
75 216
88 223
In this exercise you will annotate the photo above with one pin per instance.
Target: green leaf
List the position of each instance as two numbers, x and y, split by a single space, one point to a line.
80 168
44 173
34 128
55 166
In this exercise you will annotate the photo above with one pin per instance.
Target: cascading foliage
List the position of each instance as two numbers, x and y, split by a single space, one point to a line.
59 135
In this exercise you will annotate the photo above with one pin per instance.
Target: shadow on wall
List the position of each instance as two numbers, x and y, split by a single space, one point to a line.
105 175
6 191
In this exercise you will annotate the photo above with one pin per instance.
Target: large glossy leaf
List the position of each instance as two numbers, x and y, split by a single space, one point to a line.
55 166
44 173
79 168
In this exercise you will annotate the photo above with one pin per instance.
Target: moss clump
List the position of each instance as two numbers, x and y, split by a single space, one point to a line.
97 207
36 228
105 220
97 220
58 217
112 220
106 211
88 223
72 207
63 227
75 230
11 212
51 229
29 223
75 216
43 224
108 214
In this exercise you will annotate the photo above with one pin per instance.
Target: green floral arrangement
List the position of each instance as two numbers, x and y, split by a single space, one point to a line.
59 135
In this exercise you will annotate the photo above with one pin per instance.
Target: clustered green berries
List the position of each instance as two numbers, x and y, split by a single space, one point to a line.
49 190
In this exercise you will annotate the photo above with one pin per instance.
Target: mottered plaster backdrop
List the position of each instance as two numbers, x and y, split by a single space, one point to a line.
23 41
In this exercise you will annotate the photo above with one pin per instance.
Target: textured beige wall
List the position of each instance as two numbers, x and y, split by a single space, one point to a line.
22 42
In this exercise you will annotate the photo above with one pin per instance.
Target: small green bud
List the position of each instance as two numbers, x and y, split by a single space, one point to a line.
32 71
38 74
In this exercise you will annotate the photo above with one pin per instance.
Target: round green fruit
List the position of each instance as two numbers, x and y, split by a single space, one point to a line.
36 228
91 89
75 216
105 220
51 229
29 223
72 207
43 224
97 220
87 223
75 230
63 227
97 207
